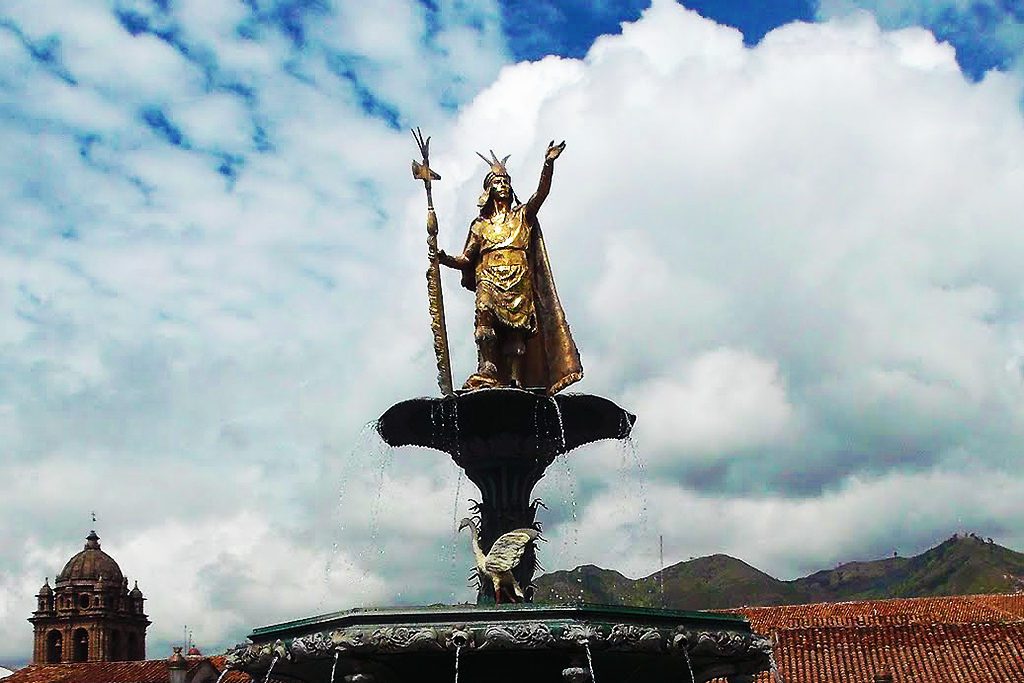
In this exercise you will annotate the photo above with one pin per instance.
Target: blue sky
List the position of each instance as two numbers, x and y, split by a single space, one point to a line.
788 242
985 33
568 28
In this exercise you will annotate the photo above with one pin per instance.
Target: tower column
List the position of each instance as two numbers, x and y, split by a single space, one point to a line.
96 641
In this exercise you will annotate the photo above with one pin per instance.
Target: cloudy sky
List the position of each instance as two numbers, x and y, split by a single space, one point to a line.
789 240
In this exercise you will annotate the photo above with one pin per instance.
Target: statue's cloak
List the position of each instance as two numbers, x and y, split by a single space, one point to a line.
552 360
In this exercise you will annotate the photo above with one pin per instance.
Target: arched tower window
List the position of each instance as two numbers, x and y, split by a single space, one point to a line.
81 645
54 644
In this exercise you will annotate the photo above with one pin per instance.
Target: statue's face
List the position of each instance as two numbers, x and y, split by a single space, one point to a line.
501 187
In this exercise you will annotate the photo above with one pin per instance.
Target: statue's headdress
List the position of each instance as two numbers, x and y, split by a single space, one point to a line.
497 168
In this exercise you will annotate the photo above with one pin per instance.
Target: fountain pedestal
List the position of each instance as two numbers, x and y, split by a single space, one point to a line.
505 439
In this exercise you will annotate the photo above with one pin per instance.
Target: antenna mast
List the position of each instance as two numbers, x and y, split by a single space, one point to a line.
661 562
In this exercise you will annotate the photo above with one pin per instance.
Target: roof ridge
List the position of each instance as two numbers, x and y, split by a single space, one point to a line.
1017 616
870 600
905 625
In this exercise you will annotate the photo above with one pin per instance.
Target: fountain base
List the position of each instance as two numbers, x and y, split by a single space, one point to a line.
508 644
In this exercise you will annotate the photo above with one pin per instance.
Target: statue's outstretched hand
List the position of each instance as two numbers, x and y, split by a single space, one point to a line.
446 259
554 150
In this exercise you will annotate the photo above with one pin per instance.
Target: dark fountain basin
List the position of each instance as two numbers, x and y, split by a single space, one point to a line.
503 424
504 439
507 644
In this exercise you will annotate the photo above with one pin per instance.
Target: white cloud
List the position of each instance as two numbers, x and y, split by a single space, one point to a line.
990 27
724 401
98 52
216 121
284 577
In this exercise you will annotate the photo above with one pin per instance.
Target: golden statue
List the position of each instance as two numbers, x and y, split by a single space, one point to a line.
521 334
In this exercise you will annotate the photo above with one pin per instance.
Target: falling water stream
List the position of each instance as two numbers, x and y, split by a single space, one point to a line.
570 484
453 556
645 532
334 665
271 669
561 423
368 442
435 421
449 429
590 661
379 480
631 450
386 458
458 495
455 430
575 534
689 664
458 650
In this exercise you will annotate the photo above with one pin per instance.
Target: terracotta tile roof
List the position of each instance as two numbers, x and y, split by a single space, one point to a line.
147 671
958 609
219 661
151 671
956 639
917 653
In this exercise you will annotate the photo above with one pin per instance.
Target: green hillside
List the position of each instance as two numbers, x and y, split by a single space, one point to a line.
960 565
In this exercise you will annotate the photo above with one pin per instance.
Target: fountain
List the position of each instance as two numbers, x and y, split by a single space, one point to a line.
504 440
504 437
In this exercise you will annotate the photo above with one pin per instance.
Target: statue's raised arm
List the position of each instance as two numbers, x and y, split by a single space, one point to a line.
546 173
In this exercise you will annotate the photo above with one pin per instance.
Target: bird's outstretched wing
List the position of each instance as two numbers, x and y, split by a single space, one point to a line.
508 550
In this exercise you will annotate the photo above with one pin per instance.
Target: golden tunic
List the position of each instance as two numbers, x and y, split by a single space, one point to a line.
503 282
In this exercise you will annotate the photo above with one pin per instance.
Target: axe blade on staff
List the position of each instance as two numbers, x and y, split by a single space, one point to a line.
422 171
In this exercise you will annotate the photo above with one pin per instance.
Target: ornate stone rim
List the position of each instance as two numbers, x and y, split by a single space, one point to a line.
695 643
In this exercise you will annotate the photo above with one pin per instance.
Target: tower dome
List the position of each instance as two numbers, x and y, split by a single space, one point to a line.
90 564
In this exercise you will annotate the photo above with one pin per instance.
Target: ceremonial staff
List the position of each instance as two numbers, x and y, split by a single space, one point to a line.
421 171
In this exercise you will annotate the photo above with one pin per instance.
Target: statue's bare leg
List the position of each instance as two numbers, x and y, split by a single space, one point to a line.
514 350
486 344
486 374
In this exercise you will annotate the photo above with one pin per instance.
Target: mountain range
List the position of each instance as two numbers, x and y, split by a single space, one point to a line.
961 565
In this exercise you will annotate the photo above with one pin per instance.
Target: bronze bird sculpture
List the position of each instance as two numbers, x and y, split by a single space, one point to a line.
502 558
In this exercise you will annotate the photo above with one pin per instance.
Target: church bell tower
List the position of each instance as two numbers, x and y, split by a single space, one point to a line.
89 615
